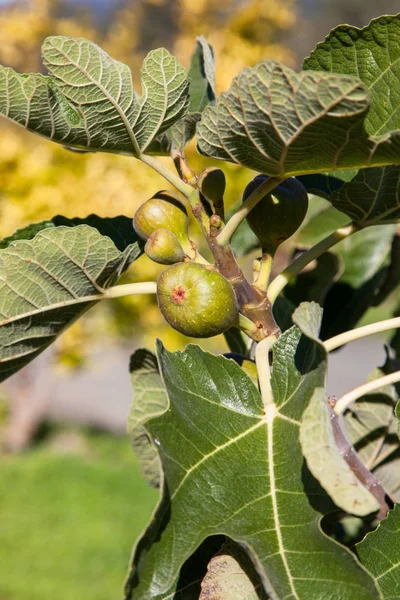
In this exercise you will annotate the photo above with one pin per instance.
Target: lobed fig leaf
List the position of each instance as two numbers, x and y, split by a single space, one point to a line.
163 247
279 214
196 300
164 210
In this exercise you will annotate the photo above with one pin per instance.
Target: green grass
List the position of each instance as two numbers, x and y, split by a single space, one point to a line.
68 520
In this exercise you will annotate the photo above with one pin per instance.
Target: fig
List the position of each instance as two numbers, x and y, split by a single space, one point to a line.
279 214
164 210
196 300
164 247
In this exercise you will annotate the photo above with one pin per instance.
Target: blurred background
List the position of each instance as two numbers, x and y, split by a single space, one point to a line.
72 499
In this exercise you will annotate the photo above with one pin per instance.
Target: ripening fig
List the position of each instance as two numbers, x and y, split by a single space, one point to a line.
279 214
196 300
164 247
163 211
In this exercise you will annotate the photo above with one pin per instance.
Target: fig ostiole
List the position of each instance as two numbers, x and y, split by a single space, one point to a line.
196 300
279 214
163 247
164 210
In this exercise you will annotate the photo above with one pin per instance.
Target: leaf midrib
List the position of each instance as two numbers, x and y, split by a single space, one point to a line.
108 96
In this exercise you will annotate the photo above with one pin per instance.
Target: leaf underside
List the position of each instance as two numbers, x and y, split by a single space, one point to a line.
88 101
283 123
47 282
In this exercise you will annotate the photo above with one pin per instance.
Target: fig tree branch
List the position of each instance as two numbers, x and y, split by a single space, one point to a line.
158 166
277 285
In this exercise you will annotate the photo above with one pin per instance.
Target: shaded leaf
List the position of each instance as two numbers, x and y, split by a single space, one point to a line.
201 92
231 467
88 100
282 123
380 553
372 197
387 473
46 283
327 464
367 424
321 220
150 399
313 283
320 184
364 253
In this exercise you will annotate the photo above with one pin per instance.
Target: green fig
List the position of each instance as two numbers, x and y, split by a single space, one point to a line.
279 214
196 300
164 247
164 210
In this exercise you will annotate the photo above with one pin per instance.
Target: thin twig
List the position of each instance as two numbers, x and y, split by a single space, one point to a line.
346 400
158 166
130 289
277 285
360 332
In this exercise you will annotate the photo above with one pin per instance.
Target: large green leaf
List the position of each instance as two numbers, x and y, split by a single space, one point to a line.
47 282
373 55
233 468
380 553
371 198
150 400
283 123
88 101
364 253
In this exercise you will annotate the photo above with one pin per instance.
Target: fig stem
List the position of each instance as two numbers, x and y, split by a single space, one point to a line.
131 289
247 326
347 399
158 166
278 284
264 273
263 189
360 332
263 369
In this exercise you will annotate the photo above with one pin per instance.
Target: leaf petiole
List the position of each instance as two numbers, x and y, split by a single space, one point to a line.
345 401
360 332
264 374
158 166
278 284
130 289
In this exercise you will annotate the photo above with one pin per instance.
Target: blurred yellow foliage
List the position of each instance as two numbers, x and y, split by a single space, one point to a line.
40 179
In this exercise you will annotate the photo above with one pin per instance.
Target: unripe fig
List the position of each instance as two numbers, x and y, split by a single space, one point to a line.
279 214
164 247
196 300
163 211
